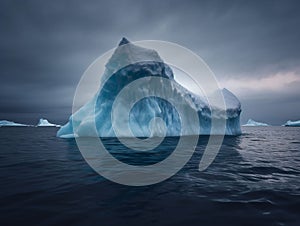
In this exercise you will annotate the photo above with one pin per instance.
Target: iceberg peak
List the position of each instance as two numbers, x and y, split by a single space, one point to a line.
124 41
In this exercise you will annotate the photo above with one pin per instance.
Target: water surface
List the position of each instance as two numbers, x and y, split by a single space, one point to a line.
253 181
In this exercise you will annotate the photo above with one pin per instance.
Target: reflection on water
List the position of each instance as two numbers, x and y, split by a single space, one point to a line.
253 180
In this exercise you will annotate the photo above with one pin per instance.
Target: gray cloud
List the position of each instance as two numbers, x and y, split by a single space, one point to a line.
45 46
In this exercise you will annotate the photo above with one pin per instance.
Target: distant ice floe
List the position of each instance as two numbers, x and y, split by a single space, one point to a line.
251 122
10 123
46 123
292 123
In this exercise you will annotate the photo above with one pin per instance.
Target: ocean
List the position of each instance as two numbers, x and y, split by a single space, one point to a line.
254 180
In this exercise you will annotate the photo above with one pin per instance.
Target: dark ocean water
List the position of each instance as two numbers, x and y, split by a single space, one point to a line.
255 180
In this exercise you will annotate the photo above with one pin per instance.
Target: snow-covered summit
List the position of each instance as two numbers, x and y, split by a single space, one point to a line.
128 64
127 54
44 122
254 123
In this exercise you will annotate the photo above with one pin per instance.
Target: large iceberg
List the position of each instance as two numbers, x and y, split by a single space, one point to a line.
45 123
10 123
292 123
251 122
96 113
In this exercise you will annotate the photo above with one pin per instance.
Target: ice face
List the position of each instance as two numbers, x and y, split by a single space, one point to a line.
254 123
151 67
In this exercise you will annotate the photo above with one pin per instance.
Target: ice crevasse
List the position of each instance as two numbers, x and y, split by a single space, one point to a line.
94 118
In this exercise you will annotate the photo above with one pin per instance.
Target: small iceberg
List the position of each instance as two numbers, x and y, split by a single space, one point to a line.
292 123
10 123
254 123
46 123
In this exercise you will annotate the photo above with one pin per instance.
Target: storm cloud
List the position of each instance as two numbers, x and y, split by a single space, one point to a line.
45 46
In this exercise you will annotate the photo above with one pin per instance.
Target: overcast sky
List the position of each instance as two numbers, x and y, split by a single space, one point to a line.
252 47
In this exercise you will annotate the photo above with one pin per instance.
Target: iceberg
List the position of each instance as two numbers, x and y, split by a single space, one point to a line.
292 123
254 123
146 63
10 123
45 123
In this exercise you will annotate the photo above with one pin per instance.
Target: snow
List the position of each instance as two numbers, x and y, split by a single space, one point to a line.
292 123
45 122
10 123
254 123
95 117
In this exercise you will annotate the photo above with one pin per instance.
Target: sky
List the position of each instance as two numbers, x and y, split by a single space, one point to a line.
252 47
